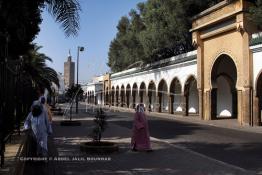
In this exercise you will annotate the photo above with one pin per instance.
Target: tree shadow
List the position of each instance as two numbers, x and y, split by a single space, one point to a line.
164 129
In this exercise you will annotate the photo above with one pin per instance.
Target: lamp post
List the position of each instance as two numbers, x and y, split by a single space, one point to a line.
79 49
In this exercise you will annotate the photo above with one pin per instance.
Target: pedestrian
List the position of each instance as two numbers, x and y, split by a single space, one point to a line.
37 121
140 140
47 110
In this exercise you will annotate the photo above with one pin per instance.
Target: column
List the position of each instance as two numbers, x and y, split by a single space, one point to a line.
206 106
246 106
200 104
183 101
213 102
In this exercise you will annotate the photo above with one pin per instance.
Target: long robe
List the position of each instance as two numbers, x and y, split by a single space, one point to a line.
41 129
140 133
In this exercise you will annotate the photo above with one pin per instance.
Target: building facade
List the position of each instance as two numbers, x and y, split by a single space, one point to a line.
94 91
69 72
221 79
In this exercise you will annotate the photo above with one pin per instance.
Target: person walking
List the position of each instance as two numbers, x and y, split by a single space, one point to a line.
47 109
140 140
37 120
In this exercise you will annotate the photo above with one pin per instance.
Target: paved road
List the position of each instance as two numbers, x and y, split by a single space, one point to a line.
180 148
238 148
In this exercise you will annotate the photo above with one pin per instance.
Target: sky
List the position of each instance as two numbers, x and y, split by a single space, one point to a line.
98 21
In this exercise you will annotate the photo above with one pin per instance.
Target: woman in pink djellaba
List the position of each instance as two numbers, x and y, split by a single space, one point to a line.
140 140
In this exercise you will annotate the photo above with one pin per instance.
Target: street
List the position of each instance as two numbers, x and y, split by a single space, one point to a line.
237 148
179 148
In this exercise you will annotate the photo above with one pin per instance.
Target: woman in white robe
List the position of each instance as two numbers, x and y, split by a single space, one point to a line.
39 124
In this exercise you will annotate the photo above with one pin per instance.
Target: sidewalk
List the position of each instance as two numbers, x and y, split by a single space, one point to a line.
166 159
13 150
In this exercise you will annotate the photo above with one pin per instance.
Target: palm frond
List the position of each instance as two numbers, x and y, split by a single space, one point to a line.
65 12
40 74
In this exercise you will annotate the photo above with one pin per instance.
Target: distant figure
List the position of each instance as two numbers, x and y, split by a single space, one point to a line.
140 140
37 120
47 110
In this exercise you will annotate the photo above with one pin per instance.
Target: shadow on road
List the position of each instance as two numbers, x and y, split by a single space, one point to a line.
245 155
171 129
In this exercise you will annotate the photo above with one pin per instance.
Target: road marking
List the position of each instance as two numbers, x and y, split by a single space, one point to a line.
203 156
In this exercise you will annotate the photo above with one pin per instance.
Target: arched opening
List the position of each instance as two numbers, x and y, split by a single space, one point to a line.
117 95
99 94
176 96
259 96
224 92
122 96
135 95
163 96
152 96
113 96
142 93
191 95
128 94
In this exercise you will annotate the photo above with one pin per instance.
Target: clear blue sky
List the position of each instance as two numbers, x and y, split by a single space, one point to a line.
98 20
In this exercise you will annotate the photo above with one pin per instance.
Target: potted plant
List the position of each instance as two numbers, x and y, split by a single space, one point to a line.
96 145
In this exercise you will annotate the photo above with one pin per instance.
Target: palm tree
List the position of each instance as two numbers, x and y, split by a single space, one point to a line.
37 72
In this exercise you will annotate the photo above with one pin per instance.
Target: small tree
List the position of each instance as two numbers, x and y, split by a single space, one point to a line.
100 125
72 93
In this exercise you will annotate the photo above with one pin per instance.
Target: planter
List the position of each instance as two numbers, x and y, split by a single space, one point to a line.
70 123
99 147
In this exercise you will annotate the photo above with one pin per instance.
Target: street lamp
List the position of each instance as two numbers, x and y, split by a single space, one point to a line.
81 49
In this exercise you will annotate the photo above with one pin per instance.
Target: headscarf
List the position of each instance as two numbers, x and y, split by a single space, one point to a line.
140 108
36 108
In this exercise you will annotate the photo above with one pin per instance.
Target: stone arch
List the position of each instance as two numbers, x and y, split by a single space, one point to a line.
219 54
128 95
176 96
258 118
135 95
162 96
258 83
142 93
224 92
191 96
152 96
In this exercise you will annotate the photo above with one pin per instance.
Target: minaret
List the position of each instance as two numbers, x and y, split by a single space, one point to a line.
69 71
